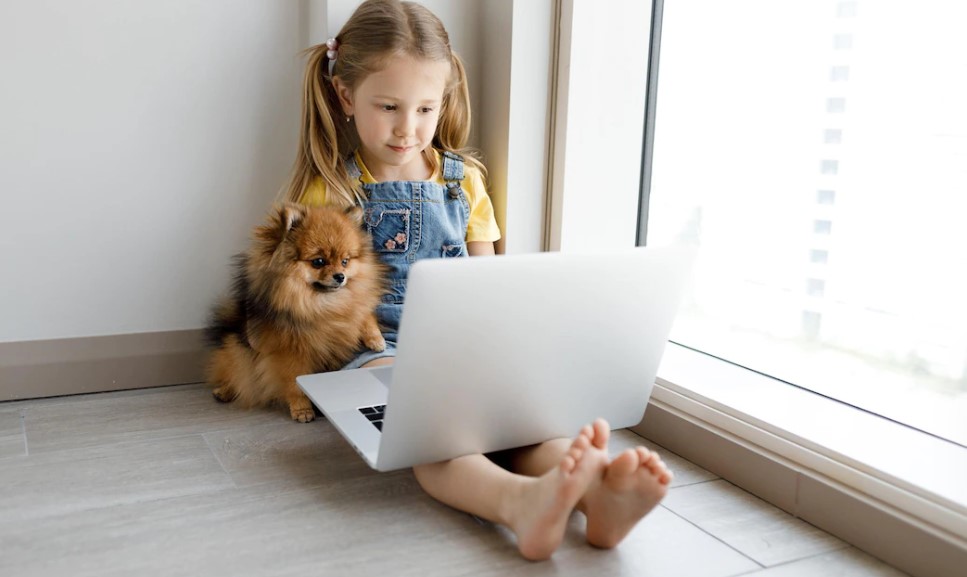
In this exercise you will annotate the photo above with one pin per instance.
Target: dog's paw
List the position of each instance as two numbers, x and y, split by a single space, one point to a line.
224 394
377 343
302 413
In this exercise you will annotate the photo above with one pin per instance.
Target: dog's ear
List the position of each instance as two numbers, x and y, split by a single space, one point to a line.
355 214
282 219
291 215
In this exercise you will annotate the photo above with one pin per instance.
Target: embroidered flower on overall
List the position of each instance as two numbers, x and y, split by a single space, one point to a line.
398 240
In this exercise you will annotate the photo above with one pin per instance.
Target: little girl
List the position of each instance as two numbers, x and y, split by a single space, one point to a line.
385 122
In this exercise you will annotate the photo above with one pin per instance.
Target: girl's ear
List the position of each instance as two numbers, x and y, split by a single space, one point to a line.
345 95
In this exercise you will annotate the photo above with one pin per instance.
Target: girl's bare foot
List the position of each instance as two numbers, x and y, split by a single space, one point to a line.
539 513
633 483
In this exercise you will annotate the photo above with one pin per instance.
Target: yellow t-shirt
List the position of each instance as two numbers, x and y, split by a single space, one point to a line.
482 225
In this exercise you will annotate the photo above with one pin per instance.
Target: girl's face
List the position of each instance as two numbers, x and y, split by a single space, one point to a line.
396 112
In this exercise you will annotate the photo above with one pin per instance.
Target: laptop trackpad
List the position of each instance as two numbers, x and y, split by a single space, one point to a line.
384 374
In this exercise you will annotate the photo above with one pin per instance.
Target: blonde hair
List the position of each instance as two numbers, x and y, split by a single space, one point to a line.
376 32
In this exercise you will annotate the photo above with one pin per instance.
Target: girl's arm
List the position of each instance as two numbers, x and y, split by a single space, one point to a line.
480 248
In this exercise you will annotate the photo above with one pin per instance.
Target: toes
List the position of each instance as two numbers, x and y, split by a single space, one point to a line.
650 460
582 442
653 463
665 476
624 464
602 432
645 456
567 464
574 453
578 447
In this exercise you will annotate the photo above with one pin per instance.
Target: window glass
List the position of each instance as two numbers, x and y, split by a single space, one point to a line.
816 151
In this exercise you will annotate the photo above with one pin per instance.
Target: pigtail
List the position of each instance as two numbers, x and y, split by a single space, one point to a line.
324 141
453 130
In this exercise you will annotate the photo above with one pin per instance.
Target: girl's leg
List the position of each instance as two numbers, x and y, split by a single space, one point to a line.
630 488
536 509
547 482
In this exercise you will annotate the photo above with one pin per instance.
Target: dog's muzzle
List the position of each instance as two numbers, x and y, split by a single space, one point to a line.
339 281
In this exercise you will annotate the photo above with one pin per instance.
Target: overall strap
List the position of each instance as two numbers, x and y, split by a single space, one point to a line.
452 172
354 172
353 169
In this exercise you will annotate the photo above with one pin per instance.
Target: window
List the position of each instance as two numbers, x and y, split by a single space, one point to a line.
819 160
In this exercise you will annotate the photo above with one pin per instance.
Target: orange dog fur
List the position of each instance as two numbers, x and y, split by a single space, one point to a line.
304 300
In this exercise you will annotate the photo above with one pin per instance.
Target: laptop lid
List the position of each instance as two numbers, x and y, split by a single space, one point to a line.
506 351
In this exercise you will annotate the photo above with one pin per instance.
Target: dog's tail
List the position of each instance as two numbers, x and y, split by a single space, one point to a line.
228 316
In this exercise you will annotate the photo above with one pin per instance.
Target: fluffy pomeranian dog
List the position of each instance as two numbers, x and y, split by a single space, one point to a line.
303 302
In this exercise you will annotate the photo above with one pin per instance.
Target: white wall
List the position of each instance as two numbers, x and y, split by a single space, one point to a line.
515 100
140 142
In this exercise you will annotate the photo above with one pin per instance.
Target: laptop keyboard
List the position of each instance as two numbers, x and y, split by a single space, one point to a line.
374 414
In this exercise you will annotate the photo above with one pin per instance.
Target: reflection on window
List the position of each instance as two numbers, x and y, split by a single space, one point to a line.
819 159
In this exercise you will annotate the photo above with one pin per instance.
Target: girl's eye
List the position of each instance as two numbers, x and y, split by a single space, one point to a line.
345 261
318 262
388 107
426 110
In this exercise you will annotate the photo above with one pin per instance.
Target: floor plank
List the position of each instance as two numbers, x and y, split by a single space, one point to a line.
62 482
285 453
12 442
662 544
750 525
849 562
91 420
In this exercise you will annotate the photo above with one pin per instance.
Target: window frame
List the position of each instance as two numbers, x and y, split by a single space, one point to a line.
851 448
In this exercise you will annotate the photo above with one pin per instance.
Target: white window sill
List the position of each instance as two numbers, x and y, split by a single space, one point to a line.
917 475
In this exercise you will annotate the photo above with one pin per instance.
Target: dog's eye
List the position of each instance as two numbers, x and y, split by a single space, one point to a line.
345 261
318 262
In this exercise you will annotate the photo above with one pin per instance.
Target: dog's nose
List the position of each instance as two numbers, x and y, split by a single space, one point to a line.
339 277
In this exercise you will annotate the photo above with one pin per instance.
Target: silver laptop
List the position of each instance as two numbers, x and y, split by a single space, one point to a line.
507 351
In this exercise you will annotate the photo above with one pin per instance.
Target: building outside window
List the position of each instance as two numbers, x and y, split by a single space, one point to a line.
816 151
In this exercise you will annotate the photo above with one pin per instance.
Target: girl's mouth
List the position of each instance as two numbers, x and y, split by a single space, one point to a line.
400 149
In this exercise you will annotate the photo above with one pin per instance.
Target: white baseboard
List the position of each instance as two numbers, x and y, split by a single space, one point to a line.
48 368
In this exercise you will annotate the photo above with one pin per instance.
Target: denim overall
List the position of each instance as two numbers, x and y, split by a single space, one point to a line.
411 220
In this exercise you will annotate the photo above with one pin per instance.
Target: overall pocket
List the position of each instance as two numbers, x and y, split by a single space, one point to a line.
389 227
454 249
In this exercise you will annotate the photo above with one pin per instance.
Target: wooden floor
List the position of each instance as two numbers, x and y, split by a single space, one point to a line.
169 482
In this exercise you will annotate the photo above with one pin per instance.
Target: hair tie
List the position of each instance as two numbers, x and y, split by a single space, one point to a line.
333 45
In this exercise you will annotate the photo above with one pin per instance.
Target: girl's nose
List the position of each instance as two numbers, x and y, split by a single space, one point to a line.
405 124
